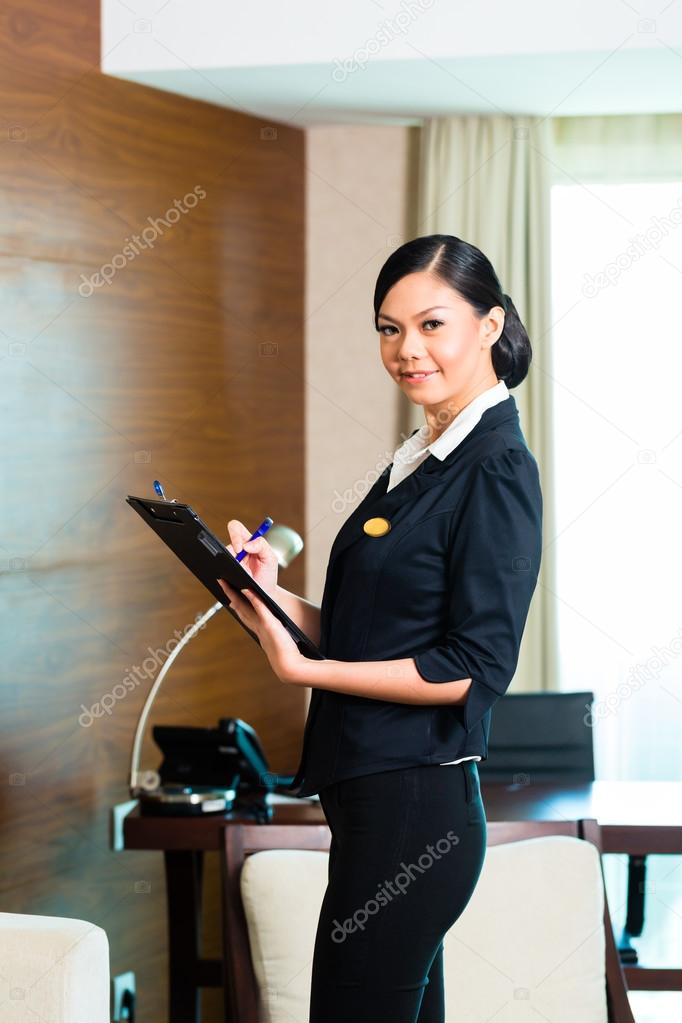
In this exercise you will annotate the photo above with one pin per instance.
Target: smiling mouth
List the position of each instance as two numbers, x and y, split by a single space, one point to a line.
417 377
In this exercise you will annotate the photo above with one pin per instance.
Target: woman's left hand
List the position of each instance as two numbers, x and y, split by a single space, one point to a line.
278 646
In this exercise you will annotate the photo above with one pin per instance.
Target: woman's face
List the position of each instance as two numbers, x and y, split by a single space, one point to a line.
426 326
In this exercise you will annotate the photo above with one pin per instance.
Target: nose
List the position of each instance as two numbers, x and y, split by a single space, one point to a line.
411 348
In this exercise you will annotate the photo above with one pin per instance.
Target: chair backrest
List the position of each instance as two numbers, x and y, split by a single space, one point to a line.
536 930
245 975
547 736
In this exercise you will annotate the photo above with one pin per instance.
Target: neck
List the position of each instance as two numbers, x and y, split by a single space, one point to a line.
439 417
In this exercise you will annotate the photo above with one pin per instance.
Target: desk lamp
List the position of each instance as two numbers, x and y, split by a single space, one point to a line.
184 799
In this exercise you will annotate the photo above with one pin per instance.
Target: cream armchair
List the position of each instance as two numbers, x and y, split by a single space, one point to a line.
54 969
534 942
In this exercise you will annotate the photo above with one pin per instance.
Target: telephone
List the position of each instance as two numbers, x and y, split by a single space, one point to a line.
229 758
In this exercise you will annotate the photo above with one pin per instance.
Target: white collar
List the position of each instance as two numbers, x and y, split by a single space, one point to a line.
415 447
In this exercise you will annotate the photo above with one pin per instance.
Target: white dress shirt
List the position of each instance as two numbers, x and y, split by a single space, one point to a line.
413 451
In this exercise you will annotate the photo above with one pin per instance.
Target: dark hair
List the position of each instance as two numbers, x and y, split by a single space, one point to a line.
465 268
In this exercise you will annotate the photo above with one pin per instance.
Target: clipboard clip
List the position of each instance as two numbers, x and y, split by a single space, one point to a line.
210 543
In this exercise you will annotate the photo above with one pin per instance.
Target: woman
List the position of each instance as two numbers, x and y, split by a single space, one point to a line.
429 581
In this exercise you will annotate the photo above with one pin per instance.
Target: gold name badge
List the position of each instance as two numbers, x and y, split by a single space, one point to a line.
377 527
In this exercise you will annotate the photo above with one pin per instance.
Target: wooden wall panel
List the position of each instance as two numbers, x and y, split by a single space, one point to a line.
187 366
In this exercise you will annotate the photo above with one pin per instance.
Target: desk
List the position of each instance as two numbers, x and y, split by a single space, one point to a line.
183 841
636 818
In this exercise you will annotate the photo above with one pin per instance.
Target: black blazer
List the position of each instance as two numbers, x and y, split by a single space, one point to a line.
450 584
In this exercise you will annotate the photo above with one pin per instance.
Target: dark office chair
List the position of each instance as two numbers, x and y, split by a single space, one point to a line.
547 736
543 735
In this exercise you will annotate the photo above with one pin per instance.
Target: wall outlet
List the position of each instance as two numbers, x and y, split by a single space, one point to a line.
123 997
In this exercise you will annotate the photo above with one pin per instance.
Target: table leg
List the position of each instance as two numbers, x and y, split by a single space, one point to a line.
184 875
634 920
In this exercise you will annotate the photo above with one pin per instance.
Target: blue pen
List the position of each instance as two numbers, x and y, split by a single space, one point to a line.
263 528
160 493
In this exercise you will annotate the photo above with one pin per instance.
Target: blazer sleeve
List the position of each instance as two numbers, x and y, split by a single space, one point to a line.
493 565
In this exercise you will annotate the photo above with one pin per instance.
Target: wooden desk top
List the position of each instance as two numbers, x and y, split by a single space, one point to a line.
636 817
631 803
174 833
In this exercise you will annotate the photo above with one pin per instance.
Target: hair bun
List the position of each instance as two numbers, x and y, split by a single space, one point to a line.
511 353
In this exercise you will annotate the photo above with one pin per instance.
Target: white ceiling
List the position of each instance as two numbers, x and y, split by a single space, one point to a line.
381 61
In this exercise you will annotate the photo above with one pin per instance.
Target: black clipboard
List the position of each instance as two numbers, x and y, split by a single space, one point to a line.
208 559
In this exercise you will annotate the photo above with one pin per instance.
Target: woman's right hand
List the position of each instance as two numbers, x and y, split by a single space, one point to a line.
261 563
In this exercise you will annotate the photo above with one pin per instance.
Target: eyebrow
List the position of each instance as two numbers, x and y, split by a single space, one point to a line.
382 316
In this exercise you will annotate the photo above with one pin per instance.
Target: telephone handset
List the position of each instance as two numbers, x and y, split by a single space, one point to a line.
215 756
252 763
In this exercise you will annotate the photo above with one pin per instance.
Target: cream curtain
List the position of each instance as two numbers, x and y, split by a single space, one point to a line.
487 180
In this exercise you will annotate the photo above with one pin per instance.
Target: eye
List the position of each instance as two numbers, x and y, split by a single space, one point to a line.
438 323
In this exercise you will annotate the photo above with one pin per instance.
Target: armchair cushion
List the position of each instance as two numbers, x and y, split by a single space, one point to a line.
529 945
53 968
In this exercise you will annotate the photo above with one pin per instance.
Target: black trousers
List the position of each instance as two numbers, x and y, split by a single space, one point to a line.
407 849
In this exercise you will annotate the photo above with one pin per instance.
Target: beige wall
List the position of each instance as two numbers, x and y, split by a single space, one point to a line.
359 180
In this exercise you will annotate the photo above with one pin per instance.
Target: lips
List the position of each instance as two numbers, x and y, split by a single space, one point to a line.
417 377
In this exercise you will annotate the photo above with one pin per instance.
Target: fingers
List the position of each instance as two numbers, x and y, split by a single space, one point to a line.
238 534
251 611
258 546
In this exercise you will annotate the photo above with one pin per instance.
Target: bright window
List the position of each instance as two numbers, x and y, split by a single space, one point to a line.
617 315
